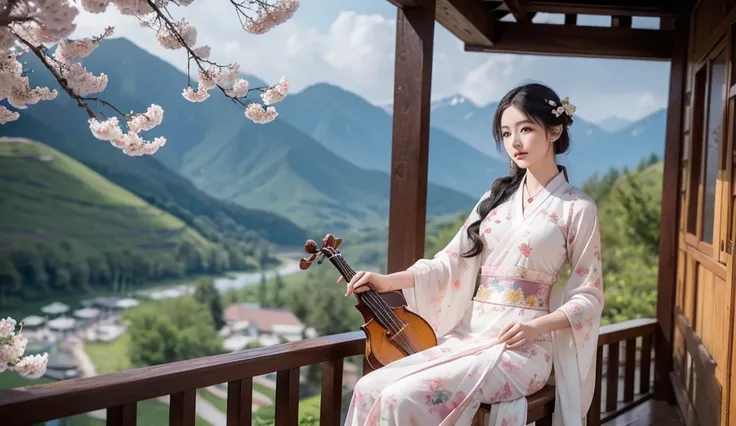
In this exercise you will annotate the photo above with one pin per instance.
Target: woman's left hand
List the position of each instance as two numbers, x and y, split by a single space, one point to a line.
518 334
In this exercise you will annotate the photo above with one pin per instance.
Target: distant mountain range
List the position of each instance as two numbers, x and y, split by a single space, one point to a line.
323 164
361 133
623 143
272 170
614 123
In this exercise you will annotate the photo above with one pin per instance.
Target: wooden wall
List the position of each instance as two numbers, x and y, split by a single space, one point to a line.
704 321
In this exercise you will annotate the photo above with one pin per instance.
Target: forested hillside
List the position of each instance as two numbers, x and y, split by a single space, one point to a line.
629 204
66 229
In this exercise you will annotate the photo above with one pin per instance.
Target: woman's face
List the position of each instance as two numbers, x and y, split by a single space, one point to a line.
526 142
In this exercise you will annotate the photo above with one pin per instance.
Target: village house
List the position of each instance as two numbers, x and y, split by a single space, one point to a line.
247 323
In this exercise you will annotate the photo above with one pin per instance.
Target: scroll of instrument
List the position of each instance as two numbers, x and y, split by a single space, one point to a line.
392 331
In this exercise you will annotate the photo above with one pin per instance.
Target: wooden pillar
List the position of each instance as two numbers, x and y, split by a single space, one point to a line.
668 239
410 150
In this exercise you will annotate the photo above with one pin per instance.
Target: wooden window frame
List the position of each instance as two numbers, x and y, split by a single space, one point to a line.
698 136
728 156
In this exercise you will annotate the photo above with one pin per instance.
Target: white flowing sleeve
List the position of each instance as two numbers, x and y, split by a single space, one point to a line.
581 301
444 285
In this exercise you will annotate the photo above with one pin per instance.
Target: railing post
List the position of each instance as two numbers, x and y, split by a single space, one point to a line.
594 412
287 397
122 415
331 402
240 402
182 410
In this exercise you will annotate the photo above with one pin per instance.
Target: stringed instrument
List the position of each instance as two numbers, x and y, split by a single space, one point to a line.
392 331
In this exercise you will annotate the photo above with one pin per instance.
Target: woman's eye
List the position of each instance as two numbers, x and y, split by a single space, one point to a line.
506 134
526 129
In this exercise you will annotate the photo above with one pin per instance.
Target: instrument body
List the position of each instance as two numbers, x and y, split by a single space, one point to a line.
392 330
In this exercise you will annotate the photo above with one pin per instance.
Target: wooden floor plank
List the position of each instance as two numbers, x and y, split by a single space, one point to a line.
650 413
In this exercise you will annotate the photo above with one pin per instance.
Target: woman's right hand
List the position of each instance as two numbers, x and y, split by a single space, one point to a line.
363 281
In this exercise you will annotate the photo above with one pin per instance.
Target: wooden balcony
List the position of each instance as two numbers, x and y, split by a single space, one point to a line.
625 353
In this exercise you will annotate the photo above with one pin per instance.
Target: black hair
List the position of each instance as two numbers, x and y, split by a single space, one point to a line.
533 100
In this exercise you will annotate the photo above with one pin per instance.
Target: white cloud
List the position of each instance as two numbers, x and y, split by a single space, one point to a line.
356 52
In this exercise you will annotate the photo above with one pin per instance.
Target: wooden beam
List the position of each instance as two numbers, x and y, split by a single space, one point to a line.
581 41
668 240
405 3
621 21
518 9
605 7
410 147
468 20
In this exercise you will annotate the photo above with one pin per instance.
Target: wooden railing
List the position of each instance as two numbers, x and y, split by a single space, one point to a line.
632 339
119 393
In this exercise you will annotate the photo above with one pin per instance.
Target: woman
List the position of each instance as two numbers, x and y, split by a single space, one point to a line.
499 344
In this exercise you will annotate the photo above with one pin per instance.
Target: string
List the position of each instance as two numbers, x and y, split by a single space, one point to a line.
400 333
378 300
377 304
349 274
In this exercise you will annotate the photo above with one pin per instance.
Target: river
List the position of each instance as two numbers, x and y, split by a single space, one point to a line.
233 280
241 280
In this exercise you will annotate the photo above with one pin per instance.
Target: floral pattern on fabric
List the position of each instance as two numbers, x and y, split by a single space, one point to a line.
519 265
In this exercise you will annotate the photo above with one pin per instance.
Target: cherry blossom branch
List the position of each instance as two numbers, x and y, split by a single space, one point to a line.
175 30
62 81
55 66
191 53
30 25
12 350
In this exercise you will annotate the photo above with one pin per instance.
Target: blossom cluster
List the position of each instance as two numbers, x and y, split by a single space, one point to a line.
34 26
565 108
12 347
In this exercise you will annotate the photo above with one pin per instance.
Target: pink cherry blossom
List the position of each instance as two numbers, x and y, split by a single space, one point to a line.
271 16
32 366
7 328
276 93
12 347
260 115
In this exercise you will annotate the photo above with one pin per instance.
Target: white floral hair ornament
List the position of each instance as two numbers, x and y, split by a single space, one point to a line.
566 108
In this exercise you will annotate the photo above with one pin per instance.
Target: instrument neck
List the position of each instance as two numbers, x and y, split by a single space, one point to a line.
382 312
346 271
370 297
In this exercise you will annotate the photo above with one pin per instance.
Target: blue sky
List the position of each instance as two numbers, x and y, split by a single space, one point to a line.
350 43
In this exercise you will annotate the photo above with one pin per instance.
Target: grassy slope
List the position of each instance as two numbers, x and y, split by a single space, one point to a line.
48 197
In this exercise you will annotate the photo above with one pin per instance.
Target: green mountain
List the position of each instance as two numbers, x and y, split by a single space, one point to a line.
62 125
48 197
272 167
66 227
361 133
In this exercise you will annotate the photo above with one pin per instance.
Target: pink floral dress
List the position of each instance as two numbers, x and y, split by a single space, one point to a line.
526 247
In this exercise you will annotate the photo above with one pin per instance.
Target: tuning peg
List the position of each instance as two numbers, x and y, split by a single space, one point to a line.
310 247
329 240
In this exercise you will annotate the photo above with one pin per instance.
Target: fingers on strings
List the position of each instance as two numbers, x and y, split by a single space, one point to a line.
358 284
